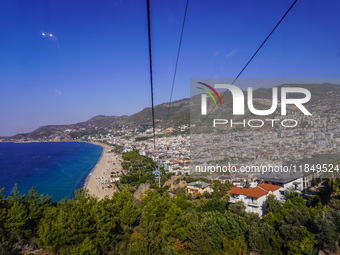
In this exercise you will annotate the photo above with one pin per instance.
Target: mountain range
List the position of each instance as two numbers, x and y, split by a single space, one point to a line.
178 114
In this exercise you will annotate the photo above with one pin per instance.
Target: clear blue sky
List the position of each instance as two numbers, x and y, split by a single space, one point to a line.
96 62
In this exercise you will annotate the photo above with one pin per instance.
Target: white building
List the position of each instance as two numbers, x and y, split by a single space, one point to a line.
289 180
254 197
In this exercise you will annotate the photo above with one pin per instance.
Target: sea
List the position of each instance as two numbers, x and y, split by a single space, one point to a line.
52 168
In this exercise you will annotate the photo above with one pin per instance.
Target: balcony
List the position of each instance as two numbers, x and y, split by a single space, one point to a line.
253 203
234 199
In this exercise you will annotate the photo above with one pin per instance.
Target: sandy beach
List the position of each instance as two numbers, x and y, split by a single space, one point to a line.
99 182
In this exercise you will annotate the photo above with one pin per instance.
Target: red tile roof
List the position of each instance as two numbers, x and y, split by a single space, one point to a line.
249 192
269 187
236 190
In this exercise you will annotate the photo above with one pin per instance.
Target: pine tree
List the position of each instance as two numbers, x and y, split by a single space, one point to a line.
129 213
15 221
260 237
196 243
175 224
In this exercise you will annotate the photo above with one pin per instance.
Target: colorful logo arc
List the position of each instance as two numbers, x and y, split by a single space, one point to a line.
209 93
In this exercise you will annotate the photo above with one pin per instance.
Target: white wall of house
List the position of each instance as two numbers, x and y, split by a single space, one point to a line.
279 194
291 184
255 205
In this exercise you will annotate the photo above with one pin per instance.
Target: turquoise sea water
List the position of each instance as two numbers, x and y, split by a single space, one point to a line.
54 168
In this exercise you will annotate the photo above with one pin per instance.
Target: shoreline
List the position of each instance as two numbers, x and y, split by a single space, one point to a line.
61 184
86 181
98 180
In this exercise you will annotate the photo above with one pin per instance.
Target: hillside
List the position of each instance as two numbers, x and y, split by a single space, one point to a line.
179 114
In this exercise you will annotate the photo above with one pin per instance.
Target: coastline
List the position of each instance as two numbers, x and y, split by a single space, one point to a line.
83 184
52 177
97 181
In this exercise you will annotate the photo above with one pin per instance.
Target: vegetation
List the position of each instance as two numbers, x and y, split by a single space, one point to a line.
116 148
161 224
140 169
143 138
